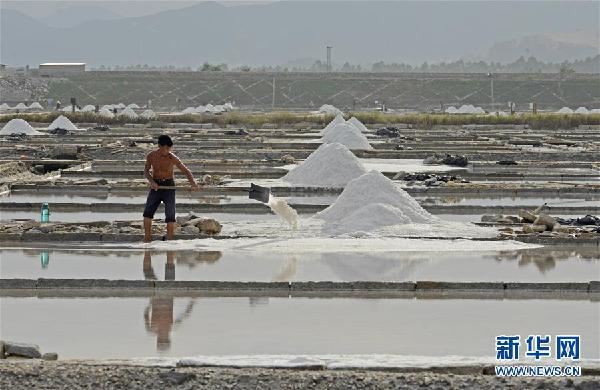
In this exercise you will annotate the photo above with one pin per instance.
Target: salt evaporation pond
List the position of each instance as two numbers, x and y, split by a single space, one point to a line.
548 264
164 325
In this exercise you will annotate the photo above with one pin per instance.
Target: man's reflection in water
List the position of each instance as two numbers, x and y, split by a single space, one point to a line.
158 315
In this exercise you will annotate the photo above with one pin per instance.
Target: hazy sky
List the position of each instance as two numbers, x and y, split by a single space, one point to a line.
43 8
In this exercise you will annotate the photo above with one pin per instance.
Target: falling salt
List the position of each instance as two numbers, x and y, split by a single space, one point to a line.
280 207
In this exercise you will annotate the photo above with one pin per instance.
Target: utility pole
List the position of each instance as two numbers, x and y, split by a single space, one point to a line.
329 67
273 100
491 76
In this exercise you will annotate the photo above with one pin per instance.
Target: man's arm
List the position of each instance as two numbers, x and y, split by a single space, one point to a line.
148 175
186 172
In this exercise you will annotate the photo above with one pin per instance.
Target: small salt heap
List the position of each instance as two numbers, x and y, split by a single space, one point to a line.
565 110
348 135
18 126
35 106
128 113
62 122
105 113
4 107
88 108
281 208
370 202
21 106
329 109
189 110
358 124
148 114
331 165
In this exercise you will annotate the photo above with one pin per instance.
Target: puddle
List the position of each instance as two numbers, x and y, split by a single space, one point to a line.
510 201
88 216
163 325
140 198
547 264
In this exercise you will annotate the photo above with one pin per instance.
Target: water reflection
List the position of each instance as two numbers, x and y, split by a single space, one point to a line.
546 258
159 317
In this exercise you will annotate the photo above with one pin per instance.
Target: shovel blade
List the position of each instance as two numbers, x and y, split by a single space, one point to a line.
259 193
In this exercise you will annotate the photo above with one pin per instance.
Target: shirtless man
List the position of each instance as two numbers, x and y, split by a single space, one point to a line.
159 173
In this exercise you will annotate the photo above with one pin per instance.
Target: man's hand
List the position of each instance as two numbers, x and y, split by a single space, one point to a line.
195 186
154 185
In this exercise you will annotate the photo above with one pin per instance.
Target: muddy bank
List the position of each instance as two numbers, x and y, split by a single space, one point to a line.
59 375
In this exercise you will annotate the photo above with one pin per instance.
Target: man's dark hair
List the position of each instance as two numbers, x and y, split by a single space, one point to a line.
165 140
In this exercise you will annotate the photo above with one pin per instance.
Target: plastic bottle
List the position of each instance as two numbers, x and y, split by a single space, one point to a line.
45 215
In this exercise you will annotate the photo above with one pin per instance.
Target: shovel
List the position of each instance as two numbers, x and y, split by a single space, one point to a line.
259 193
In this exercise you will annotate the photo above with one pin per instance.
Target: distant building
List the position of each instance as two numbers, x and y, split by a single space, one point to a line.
61 68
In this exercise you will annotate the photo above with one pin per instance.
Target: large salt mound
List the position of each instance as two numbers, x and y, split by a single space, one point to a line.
337 120
358 124
21 106
35 106
582 110
18 126
128 113
369 189
62 122
331 165
348 135
367 218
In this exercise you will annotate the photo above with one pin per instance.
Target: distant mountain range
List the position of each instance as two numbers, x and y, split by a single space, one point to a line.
295 32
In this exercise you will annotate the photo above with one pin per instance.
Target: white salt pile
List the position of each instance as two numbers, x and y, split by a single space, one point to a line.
200 109
370 202
120 105
358 124
281 208
4 106
348 135
582 110
21 106
106 113
469 109
70 109
18 126
331 165
451 110
88 108
109 107
564 110
337 120
189 110
329 110
133 106
148 114
62 122
128 113
35 106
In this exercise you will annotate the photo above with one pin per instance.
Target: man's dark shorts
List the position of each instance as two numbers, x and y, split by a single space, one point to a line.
165 196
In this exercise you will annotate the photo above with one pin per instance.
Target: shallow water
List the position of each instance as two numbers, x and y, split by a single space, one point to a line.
181 326
548 264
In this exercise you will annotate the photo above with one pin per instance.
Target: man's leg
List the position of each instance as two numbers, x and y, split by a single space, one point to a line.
170 230
169 201
147 229
151 205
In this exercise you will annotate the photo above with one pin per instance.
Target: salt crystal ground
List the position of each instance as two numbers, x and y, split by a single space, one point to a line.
383 231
